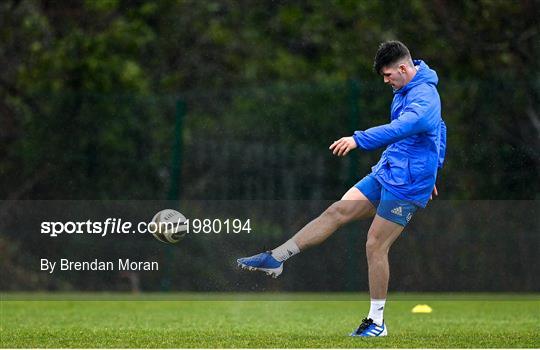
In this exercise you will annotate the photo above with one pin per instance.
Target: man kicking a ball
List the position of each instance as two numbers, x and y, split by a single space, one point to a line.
401 182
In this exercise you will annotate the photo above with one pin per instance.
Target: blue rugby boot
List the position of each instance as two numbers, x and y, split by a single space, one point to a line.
370 329
264 262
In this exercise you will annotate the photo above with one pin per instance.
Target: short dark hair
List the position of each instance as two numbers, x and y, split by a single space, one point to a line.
389 53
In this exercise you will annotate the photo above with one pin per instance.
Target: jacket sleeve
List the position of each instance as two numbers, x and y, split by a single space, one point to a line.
442 145
418 116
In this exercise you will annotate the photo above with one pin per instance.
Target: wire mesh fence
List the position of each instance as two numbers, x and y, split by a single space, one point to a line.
270 144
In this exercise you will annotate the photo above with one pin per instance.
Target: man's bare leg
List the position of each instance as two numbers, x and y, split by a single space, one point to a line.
352 206
381 235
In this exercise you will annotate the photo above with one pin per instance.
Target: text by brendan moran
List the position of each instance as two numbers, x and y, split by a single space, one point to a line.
98 265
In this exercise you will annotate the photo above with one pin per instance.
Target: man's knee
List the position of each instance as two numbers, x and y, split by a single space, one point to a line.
340 212
381 235
375 247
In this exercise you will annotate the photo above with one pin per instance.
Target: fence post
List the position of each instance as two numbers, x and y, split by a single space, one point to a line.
175 186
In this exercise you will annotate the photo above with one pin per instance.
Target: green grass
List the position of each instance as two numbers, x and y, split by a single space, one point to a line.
265 320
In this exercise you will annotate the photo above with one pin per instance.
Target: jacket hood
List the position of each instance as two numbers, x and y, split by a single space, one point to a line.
425 75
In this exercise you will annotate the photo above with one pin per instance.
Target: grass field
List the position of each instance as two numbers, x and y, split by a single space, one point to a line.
264 320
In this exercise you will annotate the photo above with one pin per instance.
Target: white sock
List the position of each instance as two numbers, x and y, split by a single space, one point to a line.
285 251
376 311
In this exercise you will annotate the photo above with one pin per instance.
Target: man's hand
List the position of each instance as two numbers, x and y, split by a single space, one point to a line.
434 193
342 146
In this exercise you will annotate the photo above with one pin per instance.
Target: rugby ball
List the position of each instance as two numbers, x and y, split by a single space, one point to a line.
168 226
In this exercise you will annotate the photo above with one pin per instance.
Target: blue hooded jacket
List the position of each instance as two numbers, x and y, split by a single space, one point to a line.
415 139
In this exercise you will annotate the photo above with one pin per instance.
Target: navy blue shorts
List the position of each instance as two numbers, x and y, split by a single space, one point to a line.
388 205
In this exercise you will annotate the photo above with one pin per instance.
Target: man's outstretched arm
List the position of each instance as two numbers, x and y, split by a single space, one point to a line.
417 117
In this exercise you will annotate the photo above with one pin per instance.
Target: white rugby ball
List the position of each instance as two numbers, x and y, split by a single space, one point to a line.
168 226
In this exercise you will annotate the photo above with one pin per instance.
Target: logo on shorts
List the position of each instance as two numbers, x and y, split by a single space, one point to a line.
409 217
397 210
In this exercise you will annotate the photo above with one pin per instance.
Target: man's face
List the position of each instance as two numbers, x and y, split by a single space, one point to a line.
394 76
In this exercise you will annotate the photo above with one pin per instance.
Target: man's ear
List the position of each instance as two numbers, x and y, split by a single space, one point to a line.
402 68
